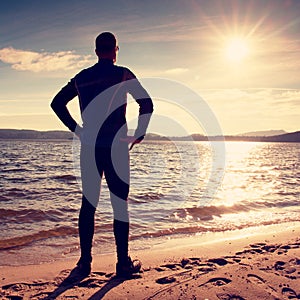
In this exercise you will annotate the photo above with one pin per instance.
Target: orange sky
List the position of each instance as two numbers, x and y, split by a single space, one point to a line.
240 57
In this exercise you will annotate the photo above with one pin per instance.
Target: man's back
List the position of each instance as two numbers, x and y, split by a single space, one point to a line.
103 100
92 81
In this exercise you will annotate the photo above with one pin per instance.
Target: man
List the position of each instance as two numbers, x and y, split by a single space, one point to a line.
102 91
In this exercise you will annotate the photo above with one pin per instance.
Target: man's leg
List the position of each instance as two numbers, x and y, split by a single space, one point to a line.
117 177
86 230
91 180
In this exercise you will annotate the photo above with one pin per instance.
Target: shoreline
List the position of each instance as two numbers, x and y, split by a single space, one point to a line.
158 243
162 263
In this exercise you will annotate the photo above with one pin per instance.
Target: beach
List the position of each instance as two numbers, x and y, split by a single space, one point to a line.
239 241
255 263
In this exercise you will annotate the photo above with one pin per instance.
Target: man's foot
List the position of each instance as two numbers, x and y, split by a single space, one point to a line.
83 267
128 268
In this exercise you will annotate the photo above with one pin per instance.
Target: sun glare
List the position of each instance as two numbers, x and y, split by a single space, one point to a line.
237 49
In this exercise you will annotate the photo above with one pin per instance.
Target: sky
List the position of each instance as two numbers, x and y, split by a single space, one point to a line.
241 57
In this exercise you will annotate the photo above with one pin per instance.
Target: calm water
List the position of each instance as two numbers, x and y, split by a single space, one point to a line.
40 195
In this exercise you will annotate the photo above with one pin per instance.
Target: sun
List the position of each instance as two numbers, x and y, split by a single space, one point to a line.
236 49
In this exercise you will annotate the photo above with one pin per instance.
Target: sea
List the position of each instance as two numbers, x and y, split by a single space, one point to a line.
177 190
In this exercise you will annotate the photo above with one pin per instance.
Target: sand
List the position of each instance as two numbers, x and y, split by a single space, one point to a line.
254 263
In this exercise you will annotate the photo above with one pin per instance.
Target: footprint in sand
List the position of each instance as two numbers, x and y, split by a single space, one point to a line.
288 269
289 293
195 258
270 248
20 288
295 245
184 262
171 266
218 261
17 287
233 258
206 268
13 297
189 263
295 261
217 281
229 297
166 280
257 245
279 265
255 279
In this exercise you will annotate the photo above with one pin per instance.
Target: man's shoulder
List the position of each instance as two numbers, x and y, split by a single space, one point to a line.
127 73
121 67
86 71
93 71
96 66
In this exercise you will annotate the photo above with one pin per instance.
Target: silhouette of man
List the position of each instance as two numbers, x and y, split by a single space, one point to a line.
102 91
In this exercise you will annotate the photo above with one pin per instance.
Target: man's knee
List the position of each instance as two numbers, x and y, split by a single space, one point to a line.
120 208
87 207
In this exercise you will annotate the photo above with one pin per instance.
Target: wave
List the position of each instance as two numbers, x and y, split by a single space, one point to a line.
66 177
17 190
29 215
143 197
11 194
41 235
3 198
13 170
61 231
208 212
192 230
16 193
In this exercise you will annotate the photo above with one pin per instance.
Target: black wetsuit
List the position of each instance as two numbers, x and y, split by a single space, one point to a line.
102 91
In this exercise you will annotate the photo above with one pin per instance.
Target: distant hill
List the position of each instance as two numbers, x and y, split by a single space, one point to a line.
66 135
34 134
263 133
288 137
293 137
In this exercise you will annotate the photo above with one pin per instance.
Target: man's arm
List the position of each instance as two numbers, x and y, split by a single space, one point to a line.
145 104
59 105
145 112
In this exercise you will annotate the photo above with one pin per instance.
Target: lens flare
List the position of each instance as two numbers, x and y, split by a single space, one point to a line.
237 49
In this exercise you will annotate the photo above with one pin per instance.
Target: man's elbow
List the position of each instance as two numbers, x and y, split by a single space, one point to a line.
147 107
152 107
55 105
52 105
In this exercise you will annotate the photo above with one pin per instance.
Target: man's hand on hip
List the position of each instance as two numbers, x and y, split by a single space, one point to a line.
131 140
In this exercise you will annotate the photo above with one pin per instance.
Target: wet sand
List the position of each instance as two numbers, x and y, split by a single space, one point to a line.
257 263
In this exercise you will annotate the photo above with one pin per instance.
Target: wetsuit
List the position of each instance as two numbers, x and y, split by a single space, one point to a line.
102 91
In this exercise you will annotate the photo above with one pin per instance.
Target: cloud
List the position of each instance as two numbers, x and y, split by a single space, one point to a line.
176 71
25 60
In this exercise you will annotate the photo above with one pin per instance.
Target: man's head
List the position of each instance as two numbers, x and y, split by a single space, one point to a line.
106 45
